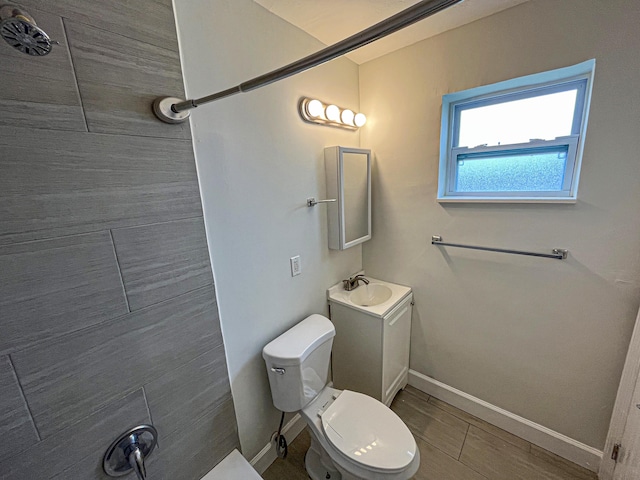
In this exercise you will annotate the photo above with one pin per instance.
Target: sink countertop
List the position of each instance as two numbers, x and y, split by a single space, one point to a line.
338 294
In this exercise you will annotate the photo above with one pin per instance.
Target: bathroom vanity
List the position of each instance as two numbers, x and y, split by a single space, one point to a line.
373 330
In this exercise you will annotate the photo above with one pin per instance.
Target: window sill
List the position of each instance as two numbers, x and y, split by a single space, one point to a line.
562 200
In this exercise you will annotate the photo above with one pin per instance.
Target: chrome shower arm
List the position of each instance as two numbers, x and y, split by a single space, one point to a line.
172 110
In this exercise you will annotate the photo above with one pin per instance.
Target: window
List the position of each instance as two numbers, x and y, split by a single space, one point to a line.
516 141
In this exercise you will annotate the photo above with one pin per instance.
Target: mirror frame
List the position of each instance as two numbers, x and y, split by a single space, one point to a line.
334 164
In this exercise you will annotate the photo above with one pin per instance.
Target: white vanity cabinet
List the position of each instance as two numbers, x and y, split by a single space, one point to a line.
371 351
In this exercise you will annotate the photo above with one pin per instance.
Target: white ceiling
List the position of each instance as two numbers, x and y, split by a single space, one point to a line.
333 20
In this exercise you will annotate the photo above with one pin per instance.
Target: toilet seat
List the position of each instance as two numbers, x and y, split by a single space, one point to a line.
366 432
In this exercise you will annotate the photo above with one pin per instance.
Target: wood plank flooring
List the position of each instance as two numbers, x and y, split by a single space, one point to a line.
453 446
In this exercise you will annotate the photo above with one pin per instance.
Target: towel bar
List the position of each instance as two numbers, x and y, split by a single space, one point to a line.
557 253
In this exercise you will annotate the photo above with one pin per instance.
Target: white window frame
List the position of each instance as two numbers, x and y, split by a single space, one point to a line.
523 87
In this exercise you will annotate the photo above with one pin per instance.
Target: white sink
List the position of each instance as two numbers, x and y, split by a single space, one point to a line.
377 299
370 295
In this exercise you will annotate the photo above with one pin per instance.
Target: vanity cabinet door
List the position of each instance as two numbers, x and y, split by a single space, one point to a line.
396 338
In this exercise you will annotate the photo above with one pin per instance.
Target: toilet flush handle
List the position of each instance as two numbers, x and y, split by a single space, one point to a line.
278 370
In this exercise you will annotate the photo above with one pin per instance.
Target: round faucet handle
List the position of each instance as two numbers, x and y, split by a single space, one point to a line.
129 450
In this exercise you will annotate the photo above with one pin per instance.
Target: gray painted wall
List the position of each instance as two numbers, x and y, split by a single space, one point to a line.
541 338
258 161
108 315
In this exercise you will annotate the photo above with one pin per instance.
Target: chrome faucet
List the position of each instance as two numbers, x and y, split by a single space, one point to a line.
353 282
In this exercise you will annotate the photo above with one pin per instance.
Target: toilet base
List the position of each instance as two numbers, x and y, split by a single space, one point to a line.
317 467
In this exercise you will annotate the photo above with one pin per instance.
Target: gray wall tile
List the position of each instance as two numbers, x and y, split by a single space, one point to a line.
17 431
49 79
122 110
60 183
149 21
82 159
51 287
68 378
41 115
186 393
78 450
40 92
193 450
163 260
119 77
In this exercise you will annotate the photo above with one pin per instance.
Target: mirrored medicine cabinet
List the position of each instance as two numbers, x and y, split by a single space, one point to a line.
348 173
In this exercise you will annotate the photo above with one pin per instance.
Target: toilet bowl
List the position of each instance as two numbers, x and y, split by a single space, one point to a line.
353 436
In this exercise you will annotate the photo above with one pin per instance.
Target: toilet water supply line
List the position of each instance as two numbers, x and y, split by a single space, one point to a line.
281 443
175 110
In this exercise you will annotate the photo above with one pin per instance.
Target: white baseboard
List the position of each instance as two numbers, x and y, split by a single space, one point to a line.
544 437
267 455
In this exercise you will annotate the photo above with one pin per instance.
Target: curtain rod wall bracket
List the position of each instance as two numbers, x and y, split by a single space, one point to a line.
163 108
176 110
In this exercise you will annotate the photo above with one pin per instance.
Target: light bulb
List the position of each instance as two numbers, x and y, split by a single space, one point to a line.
347 117
360 119
315 108
333 113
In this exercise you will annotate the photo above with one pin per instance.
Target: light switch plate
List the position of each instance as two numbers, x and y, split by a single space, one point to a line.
296 266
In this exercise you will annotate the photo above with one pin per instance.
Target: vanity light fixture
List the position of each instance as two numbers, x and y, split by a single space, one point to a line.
315 111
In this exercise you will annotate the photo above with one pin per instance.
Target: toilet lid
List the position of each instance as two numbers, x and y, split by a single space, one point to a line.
368 432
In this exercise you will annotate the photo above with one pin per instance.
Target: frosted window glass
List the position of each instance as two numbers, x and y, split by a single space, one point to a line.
532 171
518 121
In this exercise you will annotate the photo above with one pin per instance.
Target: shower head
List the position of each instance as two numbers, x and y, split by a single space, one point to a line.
19 30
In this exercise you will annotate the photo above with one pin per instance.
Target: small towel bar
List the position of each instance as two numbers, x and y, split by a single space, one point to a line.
557 253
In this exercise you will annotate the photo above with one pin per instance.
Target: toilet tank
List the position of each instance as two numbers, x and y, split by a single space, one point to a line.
298 362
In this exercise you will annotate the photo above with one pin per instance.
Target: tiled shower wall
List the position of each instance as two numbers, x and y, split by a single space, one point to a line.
108 316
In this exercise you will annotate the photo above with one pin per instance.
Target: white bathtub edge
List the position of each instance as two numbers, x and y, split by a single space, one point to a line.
233 467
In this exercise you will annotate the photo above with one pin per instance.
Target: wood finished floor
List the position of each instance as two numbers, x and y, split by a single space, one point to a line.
453 446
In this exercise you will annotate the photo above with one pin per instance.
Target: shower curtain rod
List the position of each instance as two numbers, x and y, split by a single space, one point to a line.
175 110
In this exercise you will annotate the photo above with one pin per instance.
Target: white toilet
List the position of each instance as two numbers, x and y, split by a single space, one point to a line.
353 436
